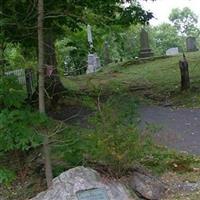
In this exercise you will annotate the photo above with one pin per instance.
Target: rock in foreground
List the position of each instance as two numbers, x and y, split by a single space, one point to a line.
80 182
147 186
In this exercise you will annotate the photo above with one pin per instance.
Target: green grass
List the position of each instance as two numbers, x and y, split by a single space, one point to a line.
156 80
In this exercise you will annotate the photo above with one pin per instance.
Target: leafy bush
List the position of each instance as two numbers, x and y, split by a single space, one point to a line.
113 140
6 176
11 92
17 130
20 126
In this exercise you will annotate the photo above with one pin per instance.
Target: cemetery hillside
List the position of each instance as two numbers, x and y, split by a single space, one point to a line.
96 103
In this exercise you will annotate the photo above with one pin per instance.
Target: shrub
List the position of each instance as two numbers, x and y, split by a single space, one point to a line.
6 176
11 93
17 130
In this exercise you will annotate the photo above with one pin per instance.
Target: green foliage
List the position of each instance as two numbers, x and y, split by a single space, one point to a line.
16 57
114 140
165 36
21 16
72 147
20 127
6 176
72 52
185 21
13 57
12 94
17 130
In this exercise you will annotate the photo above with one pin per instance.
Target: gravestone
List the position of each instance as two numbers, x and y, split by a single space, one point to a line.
93 60
172 51
191 44
82 183
145 50
93 63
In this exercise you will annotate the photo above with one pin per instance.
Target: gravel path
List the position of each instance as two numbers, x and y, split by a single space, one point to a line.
175 128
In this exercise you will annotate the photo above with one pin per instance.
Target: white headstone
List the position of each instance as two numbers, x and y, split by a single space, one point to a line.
93 63
172 51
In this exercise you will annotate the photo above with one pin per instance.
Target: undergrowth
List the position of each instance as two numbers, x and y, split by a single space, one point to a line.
113 143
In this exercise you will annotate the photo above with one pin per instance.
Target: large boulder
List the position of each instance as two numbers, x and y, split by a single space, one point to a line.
69 184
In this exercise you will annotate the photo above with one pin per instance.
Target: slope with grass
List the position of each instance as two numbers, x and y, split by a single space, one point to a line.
154 79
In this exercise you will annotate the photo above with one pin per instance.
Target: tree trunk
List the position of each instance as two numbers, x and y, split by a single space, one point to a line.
53 85
185 79
48 169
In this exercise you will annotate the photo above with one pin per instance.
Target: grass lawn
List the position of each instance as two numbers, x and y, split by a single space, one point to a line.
157 80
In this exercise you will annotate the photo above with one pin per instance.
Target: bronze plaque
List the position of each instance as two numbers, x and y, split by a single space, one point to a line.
93 194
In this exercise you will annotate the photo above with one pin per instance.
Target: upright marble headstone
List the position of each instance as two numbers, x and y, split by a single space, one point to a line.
145 50
191 44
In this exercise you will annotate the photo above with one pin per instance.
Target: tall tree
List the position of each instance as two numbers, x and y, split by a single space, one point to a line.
48 169
185 21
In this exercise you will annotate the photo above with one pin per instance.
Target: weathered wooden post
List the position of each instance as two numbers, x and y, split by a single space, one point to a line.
29 82
185 79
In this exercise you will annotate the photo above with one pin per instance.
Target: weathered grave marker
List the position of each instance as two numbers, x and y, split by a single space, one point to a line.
191 44
93 194
93 59
144 44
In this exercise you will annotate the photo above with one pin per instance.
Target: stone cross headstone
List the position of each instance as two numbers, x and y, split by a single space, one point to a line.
172 51
191 44
145 50
93 60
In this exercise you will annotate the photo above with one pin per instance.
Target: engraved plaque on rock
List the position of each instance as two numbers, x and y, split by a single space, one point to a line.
93 194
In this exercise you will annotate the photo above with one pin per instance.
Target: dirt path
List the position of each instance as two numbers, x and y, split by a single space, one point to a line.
175 128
